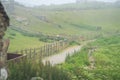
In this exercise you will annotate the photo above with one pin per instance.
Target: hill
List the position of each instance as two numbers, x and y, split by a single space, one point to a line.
66 20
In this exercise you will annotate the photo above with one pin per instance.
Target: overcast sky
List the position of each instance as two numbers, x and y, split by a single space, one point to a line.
47 2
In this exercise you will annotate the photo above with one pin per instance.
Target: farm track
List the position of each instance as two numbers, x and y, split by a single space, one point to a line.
60 58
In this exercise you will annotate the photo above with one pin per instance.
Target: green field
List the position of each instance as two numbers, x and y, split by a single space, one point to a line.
20 42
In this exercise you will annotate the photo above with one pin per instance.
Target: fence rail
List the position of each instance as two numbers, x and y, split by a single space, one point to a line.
44 51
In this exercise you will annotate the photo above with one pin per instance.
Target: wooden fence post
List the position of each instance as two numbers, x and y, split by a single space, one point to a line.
44 51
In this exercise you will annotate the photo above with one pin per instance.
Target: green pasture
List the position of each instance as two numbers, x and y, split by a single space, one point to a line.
20 42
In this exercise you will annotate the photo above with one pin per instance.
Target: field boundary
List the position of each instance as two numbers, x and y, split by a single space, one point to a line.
44 51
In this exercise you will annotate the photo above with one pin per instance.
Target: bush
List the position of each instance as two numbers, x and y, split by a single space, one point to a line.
74 43
12 34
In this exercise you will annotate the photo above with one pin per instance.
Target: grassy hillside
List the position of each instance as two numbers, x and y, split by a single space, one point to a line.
67 22
19 41
106 61
89 23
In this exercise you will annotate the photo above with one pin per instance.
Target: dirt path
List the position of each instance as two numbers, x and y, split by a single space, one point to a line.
60 58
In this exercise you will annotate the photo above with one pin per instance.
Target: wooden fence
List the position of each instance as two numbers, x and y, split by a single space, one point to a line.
44 51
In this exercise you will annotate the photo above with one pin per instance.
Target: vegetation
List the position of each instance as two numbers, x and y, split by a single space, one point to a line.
35 26
81 22
25 70
106 58
42 37
49 22
19 41
74 43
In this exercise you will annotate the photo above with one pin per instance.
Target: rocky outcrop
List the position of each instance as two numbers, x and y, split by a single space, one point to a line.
4 23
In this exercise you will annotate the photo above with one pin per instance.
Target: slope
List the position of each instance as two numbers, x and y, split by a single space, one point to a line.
67 22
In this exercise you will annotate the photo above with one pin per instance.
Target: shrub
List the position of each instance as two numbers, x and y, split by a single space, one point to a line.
12 34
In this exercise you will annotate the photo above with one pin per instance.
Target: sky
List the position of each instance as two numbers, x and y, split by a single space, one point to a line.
48 2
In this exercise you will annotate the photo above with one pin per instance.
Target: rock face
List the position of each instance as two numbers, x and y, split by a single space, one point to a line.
9 6
4 23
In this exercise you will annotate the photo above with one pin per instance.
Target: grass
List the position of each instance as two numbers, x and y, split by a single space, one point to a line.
19 41
79 22
26 69
107 63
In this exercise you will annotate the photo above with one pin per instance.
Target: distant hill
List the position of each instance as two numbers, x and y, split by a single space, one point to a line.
67 19
82 6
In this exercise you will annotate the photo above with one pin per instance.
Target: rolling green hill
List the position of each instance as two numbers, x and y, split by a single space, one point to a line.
66 22
89 23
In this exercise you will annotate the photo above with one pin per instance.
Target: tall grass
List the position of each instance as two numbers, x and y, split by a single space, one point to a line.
106 56
26 70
